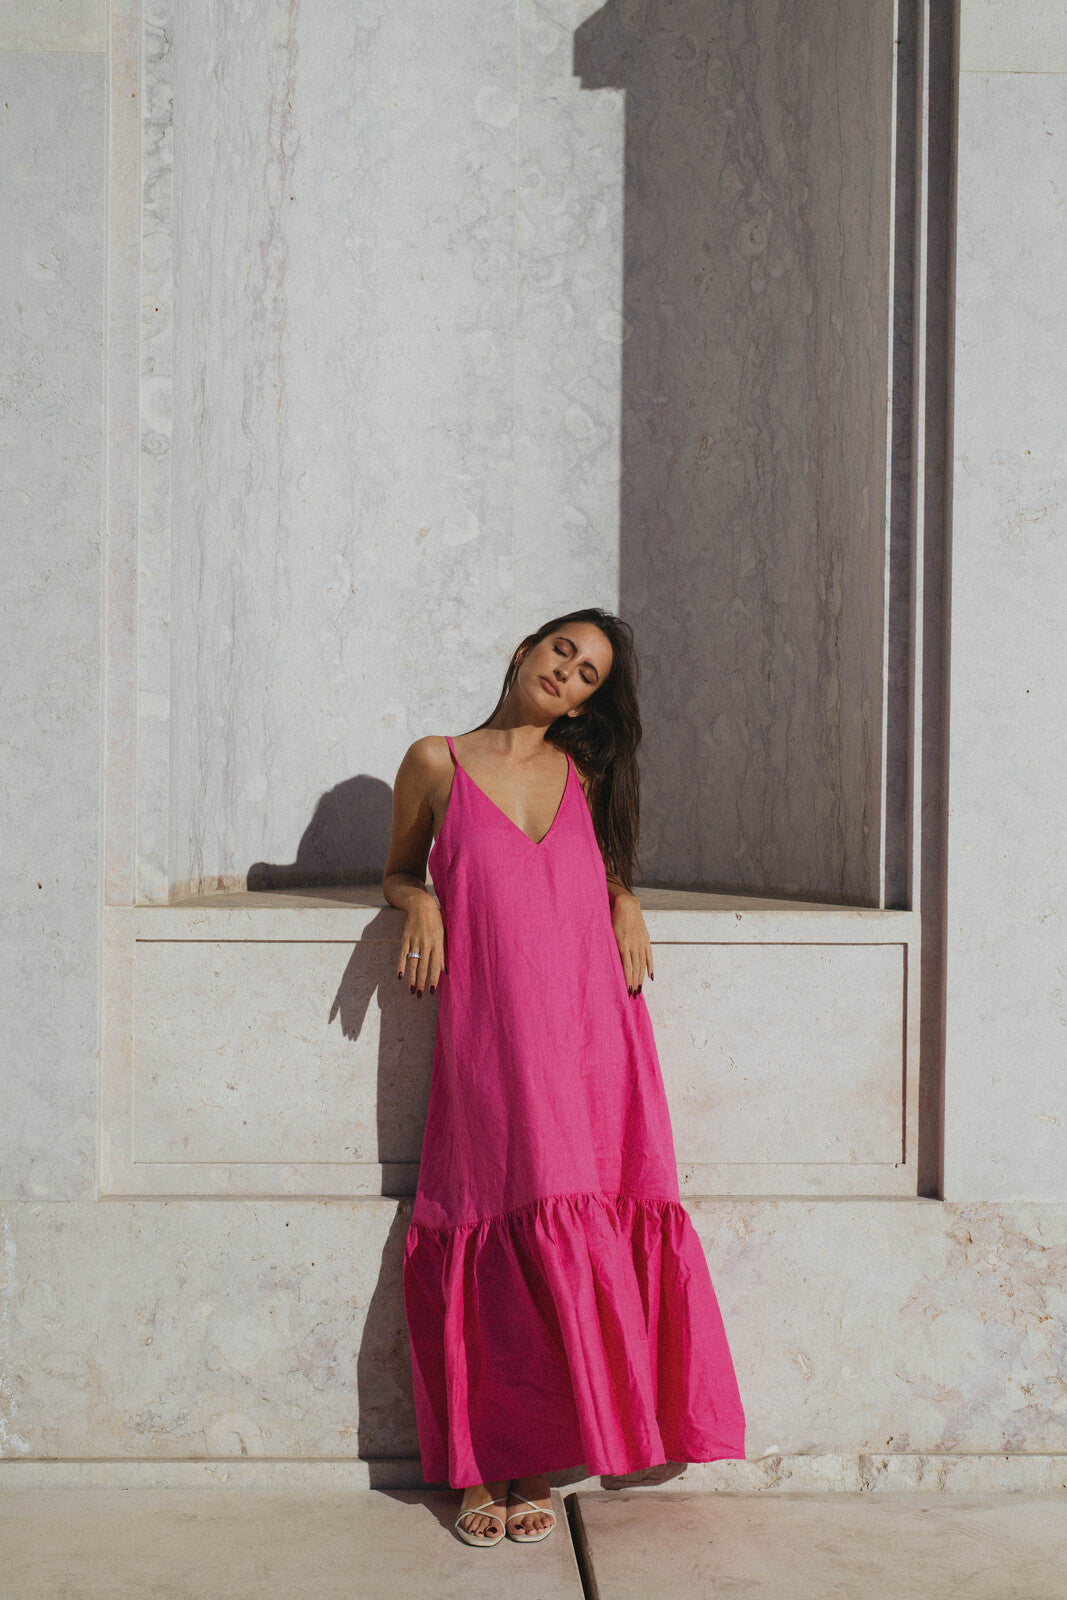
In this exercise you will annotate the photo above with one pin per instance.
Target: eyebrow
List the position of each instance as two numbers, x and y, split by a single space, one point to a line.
574 647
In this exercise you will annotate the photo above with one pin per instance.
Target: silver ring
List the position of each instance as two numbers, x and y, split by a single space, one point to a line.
412 955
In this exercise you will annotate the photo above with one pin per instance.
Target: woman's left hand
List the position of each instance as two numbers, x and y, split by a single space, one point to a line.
633 940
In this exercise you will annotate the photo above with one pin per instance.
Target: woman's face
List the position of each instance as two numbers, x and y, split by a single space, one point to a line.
574 662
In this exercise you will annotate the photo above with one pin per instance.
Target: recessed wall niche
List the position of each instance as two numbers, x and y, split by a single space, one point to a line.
453 321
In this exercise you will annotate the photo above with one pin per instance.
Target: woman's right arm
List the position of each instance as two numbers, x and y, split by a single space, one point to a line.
404 879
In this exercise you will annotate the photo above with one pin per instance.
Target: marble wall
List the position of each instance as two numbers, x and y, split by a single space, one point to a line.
1006 1007
396 335
177 1329
53 197
256 1045
753 520
436 344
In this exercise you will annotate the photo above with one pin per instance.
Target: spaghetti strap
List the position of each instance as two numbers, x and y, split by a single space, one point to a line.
451 749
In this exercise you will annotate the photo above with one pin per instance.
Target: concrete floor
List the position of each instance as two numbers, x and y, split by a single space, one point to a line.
243 1544
825 1546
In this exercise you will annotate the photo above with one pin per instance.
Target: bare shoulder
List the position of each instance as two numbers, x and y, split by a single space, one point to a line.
425 771
429 754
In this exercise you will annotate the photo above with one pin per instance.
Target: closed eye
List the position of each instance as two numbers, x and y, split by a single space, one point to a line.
561 652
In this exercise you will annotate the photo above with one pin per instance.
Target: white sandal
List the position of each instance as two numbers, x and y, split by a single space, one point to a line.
529 1538
480 1538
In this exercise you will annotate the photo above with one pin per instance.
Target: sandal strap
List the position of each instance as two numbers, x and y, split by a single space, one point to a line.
544 1510
472 1509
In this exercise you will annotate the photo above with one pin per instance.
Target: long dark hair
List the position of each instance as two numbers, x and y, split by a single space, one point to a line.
602 741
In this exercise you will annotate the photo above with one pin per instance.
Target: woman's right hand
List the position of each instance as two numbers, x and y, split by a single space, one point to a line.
424 931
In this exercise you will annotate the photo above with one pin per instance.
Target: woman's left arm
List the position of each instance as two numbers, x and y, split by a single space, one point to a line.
627 919
631 934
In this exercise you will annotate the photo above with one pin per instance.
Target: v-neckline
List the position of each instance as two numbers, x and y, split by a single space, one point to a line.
537 843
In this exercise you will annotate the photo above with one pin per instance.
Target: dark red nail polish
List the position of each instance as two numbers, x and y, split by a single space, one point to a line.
400 974
413 988
420 994
433 986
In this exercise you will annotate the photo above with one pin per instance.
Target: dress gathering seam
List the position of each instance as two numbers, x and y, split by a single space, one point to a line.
531 1205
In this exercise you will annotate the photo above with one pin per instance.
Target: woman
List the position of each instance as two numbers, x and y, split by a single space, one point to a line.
559 1305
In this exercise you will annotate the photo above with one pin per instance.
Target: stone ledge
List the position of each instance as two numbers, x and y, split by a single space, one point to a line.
768 1474
361 912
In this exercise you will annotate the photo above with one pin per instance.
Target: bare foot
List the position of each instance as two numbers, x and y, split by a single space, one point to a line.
531 1488
487 1521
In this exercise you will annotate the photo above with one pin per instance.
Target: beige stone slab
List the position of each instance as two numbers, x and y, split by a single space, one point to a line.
1005 1096
225 1544
52 255
681 915
295 1052
1029 36
54 26
872 1338
304 1051
769 1473
782 1054
302 1068
811 1546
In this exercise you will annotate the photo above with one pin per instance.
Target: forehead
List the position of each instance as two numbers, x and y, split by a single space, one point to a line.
589 641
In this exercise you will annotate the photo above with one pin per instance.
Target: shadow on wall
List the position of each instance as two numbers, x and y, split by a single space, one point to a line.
756 268
345 843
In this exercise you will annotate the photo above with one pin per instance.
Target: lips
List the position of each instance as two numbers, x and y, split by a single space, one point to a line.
551 687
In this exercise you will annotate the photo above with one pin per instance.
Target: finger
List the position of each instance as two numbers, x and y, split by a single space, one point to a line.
648 958
628 963
639 969
422 968
436 965
411 966
403 965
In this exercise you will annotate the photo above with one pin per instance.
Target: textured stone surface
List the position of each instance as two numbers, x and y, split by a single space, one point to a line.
766 1474
344 397
224 1544
437 344
217 1544
61 26
1006 1008
178 1329
275 1328
52 178
304 1068
1029 36
755 388
811 1546
899 1326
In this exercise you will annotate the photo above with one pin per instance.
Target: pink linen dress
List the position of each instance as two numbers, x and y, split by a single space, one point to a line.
560 1309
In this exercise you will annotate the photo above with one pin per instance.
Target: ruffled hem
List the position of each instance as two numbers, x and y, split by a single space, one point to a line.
579 1329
